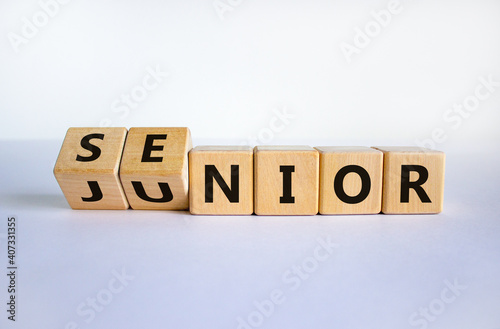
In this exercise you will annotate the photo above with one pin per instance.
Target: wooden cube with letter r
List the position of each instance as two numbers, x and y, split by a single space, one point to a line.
87 168
413 180
221 180
154 168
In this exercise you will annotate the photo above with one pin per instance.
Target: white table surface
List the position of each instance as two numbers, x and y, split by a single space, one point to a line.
189 271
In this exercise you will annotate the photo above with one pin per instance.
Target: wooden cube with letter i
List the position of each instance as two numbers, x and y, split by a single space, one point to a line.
221 180
413 180
87 168
286 180
154 168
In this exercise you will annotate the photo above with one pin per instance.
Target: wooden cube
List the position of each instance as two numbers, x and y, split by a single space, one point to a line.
413 180
286 180
221 180
87 168
154 168
350 180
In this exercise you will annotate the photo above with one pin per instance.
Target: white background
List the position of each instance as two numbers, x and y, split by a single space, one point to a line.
229 74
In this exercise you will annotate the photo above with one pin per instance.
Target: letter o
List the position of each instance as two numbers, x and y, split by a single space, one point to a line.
104 297
311 261
338 184
259 319
467 103
436 306
268 132
43 16
369 30
139 93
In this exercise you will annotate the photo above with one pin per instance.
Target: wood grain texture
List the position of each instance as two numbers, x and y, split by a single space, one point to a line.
222 157
73 176
394 159
334 158
172 168
268 180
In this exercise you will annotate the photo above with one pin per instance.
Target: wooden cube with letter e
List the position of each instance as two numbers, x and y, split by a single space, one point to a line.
413 180
154 168
87 168
221 180
286 180
350 180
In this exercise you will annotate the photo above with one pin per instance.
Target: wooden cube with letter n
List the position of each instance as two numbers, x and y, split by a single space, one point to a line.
413 180
286 180
221 180
87 168
350 180
154 168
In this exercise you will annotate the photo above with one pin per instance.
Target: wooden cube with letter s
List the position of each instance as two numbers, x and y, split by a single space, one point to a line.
87 168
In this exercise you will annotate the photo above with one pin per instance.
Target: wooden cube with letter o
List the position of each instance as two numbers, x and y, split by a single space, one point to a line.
350 180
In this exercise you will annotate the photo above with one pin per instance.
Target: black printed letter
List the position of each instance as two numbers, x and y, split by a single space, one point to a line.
287 184
165 191
149 147
406 185
85 143
338 184
211 173
96 192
